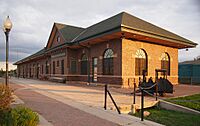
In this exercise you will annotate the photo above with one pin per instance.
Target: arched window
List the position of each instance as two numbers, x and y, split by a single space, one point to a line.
108 62
140 61
165 62
84 61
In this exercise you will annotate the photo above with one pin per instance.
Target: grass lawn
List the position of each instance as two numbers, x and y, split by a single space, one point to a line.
192 101
172 118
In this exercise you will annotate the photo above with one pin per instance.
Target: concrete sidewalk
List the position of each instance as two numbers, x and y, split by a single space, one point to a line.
59 110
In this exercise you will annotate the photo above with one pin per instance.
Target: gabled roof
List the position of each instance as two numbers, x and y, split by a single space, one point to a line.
69 32
126 20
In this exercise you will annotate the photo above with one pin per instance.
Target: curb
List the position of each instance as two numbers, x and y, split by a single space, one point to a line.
172 106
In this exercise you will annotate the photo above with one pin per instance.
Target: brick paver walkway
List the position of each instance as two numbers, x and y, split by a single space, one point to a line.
57 113
66 105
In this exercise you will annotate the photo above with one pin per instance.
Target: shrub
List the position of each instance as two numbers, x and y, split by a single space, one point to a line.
5 117
19 116
5 97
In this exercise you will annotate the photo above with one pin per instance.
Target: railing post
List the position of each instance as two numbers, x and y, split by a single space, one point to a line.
134 92
114 102
105 100
156 92
142 104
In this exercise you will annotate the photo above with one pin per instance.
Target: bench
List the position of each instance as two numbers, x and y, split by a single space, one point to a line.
58 79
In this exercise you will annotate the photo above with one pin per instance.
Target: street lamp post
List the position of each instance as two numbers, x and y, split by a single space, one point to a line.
7 25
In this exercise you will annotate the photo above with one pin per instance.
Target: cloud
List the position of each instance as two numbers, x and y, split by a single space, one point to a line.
33 20
10 66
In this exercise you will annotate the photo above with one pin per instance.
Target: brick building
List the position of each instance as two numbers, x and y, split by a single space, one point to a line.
113 51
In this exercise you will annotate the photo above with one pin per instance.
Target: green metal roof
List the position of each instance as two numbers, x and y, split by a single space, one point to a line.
39 53
141 25
70 32
125 19
101 27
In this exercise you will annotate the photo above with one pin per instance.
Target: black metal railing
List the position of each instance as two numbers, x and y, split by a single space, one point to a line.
113 101
134 91
144 90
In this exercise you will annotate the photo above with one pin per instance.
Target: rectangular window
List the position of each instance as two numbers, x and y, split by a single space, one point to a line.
30 72
62 67
23 72
33 70
108 66
140 65
73 66
42 69
58 63
84 67
47 67
165 65
54 67
26 71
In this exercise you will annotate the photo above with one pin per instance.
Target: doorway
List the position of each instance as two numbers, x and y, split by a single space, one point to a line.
94 69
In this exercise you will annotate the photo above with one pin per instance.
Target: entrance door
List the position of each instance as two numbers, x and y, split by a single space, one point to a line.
94 69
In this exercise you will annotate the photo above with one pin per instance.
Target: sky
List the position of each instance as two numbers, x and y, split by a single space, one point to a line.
33 20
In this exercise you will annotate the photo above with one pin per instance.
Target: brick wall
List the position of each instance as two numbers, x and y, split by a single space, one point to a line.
97 51
53 38
124 62
154 52
59 59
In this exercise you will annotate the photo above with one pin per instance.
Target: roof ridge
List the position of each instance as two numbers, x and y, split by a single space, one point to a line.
96 24
79 35
59 23
103 20
69 25
74 31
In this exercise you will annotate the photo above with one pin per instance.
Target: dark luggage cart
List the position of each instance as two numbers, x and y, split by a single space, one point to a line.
162 83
